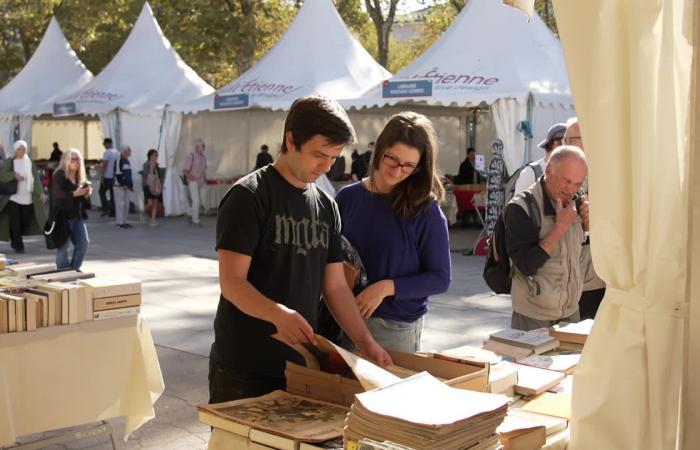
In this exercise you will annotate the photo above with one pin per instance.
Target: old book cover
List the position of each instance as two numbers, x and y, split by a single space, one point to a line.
60 298
575 333
3 316
469 355
215 421
538 342
31 308
557 405
42 306
111 287
552 424
120 301
533 381
332 358
333 444
114 313
506 350
290 416
272 440
560 363
502 379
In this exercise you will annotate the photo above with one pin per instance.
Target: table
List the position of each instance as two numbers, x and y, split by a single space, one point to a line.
213 192
69 375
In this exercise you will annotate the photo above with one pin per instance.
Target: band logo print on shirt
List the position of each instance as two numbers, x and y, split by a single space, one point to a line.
303 234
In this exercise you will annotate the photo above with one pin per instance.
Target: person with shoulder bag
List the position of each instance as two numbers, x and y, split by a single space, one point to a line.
152 185
69 193
22 204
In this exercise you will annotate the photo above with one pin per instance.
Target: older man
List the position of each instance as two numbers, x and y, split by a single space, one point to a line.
593 286
545 250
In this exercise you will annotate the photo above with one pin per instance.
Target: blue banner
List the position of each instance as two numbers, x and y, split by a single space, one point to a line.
63 109
231 101
407 88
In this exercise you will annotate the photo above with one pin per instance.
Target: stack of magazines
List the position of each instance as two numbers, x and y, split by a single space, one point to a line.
421 412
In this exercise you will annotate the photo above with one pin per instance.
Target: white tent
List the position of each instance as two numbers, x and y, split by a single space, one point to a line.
131 92
491 54
54 71
316 55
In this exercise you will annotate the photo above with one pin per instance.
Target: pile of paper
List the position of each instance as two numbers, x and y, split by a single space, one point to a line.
423 413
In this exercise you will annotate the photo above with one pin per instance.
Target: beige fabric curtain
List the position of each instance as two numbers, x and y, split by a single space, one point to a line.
629 63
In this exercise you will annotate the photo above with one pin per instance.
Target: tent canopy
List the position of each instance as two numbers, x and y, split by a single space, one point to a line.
54 71
144 76
316 55
490 52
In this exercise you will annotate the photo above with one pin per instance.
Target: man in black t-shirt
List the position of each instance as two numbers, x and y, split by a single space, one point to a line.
278 244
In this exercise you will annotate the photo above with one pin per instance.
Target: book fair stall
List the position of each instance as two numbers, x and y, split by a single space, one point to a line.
73 351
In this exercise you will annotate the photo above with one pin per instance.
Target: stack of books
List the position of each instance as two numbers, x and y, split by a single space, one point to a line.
524 430
279 420
113 297
572 336
63 276
420 412
518 344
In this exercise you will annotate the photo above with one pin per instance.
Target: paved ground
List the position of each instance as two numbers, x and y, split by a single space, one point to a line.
178 267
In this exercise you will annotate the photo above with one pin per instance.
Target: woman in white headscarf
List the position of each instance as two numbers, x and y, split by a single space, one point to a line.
23 212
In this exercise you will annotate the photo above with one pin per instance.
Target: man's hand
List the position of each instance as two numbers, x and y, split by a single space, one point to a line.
566 214
375 352
19 177
584 211
43 198
371 297
291 326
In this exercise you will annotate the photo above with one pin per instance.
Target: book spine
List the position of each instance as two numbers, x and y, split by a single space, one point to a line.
11 316
3 317
114 313
64 307
73 312
122 301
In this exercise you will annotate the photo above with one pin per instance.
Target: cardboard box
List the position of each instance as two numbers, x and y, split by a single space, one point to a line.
341 390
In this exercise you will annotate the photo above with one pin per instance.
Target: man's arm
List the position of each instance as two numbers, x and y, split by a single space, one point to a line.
342 305
233 278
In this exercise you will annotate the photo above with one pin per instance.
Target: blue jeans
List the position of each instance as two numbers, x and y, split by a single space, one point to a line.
392 334
80 240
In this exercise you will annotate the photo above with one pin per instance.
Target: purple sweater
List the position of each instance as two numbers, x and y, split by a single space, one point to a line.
415 253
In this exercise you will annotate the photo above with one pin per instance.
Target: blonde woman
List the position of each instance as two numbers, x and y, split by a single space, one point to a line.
69 193
21 213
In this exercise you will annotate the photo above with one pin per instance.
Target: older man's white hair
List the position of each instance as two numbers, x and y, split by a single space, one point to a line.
564 152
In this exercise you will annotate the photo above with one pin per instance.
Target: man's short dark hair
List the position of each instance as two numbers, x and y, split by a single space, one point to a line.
314 115
264 147
470 149
107 141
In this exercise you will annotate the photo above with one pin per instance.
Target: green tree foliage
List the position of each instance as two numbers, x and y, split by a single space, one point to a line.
220 39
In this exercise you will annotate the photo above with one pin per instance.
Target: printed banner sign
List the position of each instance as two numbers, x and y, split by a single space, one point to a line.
407 88
64 109
231 101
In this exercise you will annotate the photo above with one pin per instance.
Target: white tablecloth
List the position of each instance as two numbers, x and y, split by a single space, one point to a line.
70 375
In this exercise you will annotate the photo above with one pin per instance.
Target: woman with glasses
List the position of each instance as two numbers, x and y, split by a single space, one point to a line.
22 211
394 221
69 193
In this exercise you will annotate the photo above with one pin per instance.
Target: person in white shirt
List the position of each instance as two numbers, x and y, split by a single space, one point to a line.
109 161
554 138
22 211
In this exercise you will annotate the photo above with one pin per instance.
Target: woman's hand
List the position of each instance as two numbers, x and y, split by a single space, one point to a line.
43 198
371 297
81 191
19 177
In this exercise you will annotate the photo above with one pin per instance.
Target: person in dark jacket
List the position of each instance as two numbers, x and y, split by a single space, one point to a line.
264 158
69 193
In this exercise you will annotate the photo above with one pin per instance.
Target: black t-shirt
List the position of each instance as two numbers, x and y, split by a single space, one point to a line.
291 234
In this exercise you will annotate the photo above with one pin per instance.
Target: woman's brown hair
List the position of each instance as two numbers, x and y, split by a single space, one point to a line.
414 194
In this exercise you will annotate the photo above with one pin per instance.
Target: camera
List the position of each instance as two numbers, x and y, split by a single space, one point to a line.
578 199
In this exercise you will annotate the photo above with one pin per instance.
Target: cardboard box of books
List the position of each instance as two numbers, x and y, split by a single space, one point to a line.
327 377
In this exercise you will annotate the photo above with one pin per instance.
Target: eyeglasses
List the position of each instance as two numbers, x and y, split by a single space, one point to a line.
393 162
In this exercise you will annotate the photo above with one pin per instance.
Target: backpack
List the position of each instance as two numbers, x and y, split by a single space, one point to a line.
510 184
497 270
